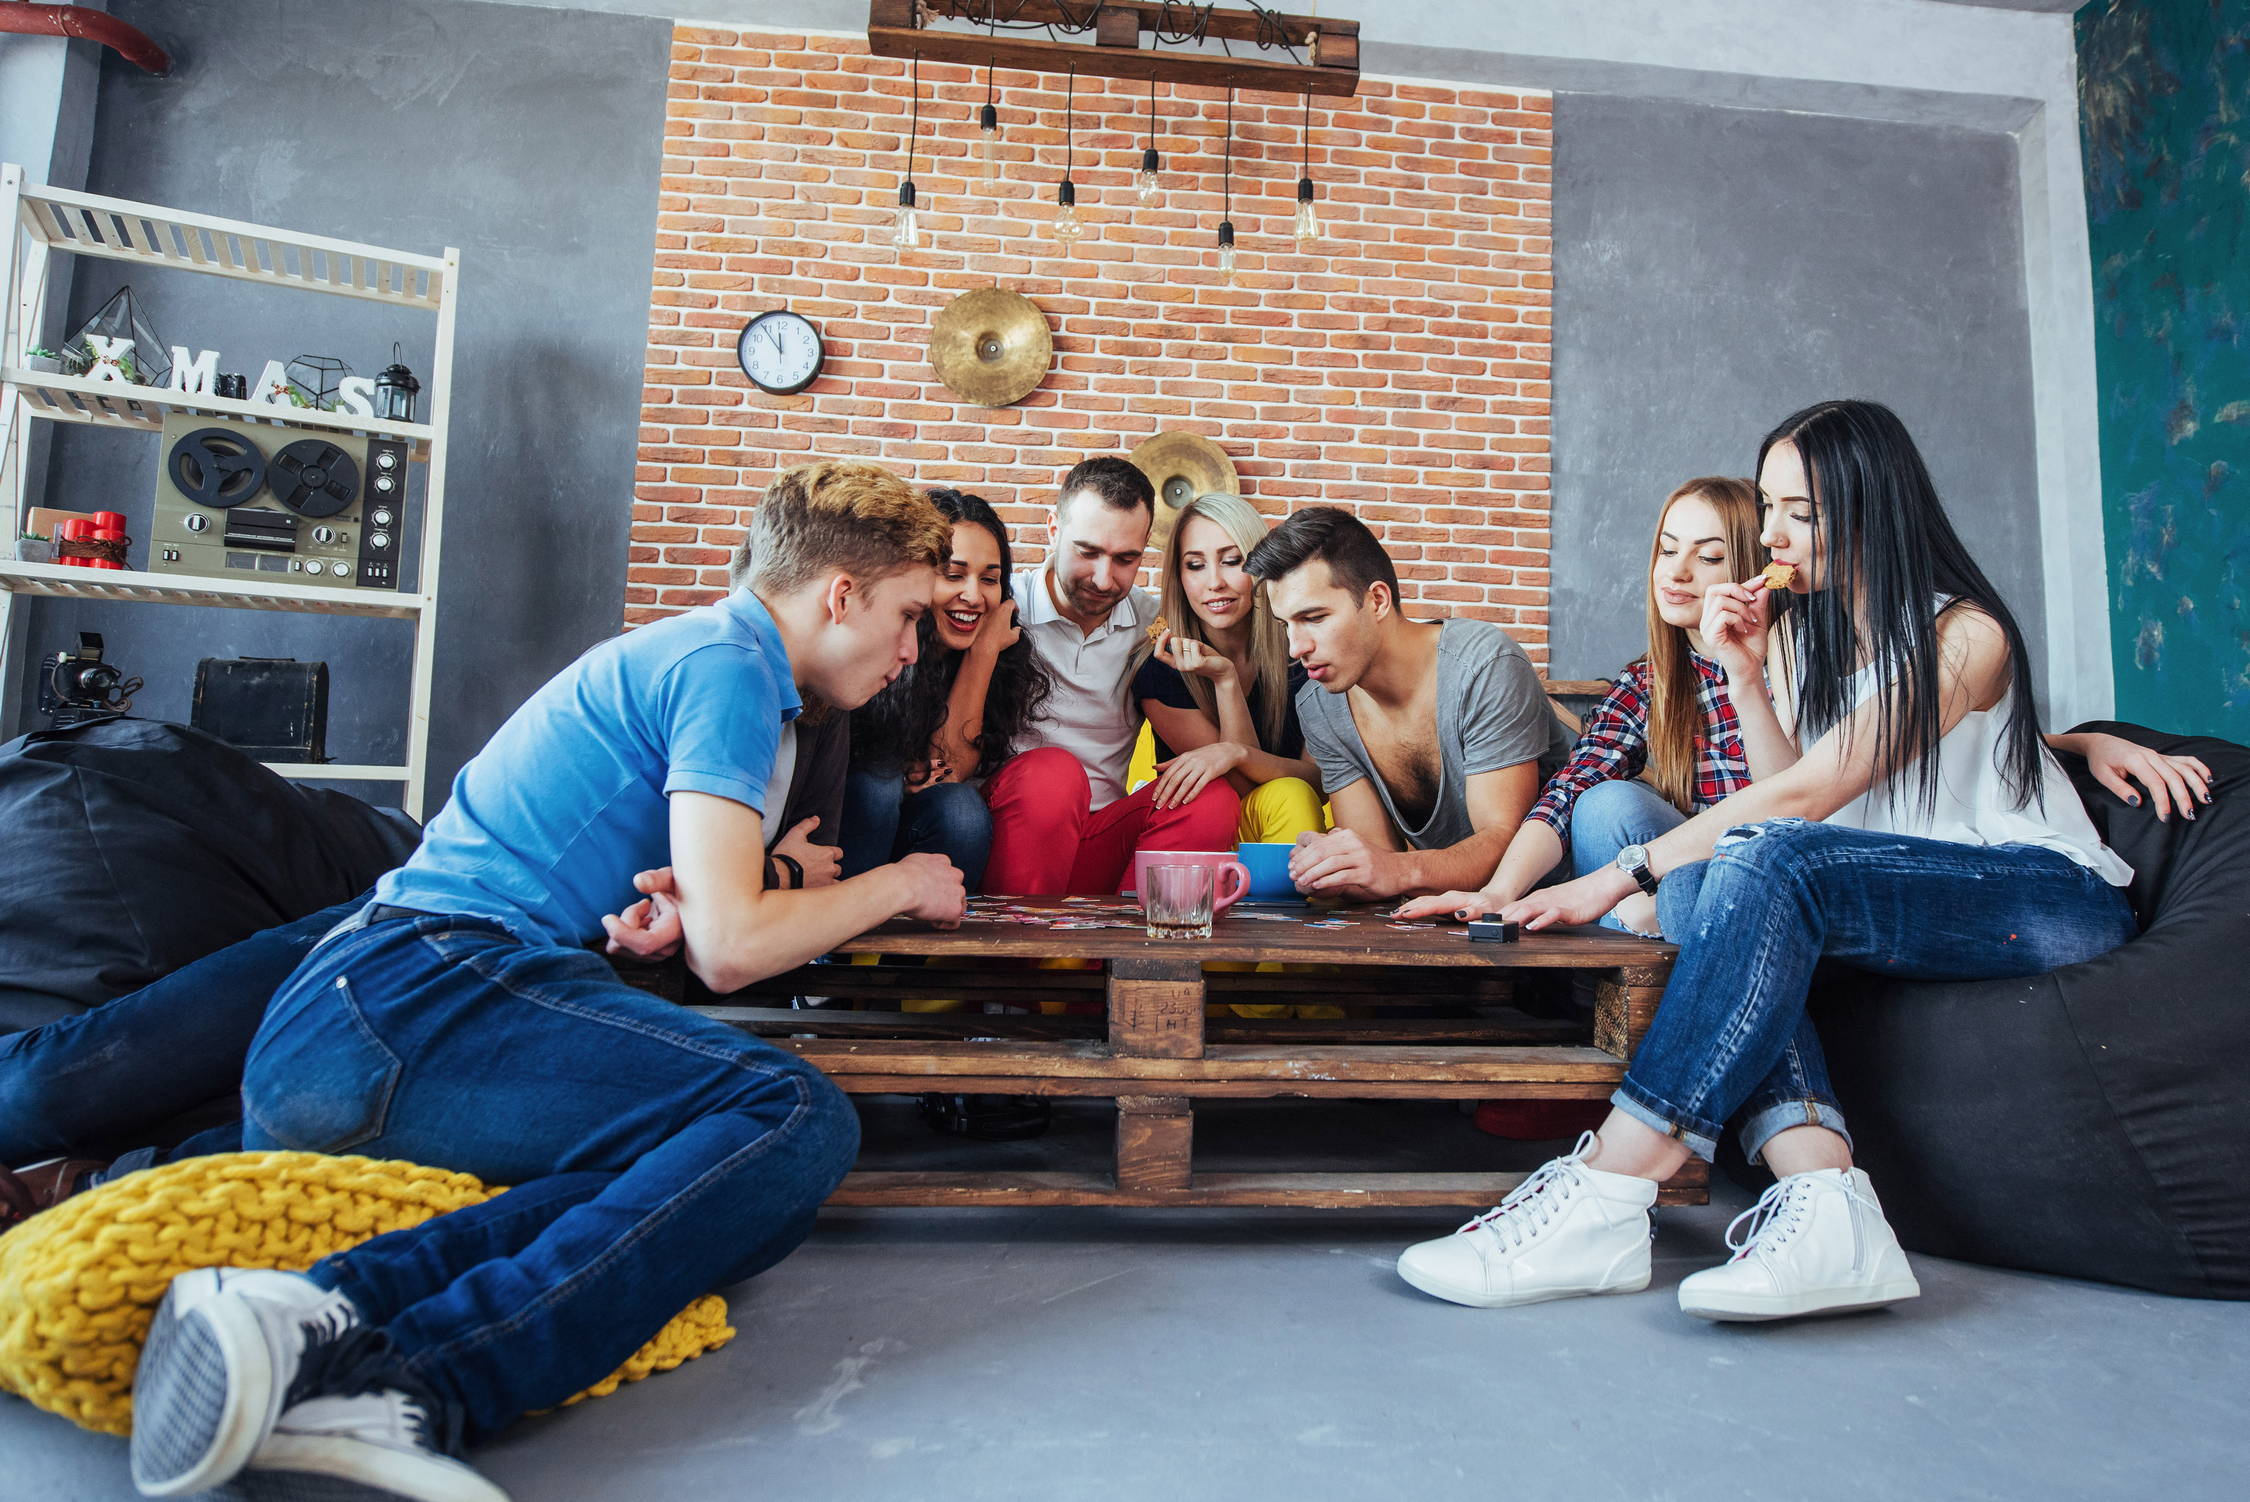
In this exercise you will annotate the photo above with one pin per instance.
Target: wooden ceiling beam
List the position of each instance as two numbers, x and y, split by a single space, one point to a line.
901 28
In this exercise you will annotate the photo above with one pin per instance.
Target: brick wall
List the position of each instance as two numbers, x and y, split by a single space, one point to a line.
1400 369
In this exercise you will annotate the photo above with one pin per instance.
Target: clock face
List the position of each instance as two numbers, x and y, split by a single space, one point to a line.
780 351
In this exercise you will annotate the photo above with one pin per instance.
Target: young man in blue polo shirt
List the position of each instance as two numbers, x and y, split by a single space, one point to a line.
460 1021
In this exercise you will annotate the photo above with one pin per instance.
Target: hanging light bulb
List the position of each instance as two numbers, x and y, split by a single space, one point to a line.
988 136
988 146
1067 227
1150 184
1307 226
906 224
1226 213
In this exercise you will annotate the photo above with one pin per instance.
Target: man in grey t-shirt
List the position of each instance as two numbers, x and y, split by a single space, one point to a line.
1433 737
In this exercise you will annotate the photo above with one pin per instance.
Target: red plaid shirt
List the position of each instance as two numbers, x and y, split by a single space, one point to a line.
1615 744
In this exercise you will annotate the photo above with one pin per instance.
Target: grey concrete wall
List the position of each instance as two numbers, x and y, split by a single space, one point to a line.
1716 269
531 139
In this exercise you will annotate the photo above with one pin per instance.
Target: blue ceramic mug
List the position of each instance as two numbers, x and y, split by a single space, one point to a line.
1268 866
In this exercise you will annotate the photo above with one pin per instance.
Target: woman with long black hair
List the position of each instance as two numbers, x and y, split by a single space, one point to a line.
956 714
1921 830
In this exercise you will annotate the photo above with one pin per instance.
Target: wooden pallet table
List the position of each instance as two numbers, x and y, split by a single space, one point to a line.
1158 1054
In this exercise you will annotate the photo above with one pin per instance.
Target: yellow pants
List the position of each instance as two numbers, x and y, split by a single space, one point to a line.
1274 813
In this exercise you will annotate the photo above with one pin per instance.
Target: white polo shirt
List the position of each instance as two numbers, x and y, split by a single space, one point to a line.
1090 715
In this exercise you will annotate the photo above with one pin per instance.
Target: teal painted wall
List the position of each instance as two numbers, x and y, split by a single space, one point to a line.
2164 93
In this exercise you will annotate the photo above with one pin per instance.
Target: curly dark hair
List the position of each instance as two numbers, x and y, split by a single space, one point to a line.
894 728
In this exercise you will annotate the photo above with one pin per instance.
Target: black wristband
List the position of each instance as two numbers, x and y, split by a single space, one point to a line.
788 863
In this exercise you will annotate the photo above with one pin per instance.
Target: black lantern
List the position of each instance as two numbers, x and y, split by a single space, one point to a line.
395 390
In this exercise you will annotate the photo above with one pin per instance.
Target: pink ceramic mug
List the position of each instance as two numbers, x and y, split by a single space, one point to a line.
1226 896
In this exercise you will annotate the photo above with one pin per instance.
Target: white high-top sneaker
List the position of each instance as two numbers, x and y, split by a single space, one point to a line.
220 1355
1817 1243
376 1446
1566 1230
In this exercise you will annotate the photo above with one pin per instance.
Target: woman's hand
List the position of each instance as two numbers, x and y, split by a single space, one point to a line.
2172 781
998 631
822 864
1190 772
649 929
1735 621
1184 654
927 773
1461 905
1582 901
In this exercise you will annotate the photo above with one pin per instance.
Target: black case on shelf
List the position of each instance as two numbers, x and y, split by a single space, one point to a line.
274 708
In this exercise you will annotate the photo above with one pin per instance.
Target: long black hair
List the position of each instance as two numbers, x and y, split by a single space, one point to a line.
895 726
1888 552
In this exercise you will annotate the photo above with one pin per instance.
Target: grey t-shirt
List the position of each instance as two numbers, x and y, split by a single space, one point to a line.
1492 713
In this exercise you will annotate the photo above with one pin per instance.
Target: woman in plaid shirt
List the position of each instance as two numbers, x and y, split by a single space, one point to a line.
1667 740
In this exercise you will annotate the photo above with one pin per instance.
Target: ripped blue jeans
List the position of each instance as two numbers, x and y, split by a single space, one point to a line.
1731 1041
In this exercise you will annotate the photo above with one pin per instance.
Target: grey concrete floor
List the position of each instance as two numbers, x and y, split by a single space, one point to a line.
1243 1354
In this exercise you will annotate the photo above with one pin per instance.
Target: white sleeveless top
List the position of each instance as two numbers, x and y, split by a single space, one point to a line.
1975 805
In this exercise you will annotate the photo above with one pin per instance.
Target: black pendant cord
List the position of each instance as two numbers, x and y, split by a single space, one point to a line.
914 118
1152 114
1227 181
1070 108
988 62
1307 143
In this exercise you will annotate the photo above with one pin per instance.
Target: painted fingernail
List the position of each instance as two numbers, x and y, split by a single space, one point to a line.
2134 801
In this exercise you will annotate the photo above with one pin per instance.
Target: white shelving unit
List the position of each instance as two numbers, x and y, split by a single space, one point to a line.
45 222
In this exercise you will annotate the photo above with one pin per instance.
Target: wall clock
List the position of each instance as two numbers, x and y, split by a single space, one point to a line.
780 351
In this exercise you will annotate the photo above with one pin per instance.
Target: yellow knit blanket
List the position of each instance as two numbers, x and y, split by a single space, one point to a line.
79 1283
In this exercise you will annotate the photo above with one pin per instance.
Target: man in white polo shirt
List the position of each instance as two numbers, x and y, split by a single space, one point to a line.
1061 818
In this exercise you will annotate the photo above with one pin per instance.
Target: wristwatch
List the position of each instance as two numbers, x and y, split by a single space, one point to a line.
1633 861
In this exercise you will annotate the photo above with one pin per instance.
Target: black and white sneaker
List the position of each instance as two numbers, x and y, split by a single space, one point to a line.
380 1446
223 1349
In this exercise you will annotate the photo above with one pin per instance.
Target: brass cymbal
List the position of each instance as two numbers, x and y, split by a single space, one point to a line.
1181 466
991 346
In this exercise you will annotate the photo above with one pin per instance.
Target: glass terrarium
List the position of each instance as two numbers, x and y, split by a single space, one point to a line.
119 343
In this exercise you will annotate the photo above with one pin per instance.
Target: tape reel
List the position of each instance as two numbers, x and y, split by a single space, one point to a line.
216 467
314 478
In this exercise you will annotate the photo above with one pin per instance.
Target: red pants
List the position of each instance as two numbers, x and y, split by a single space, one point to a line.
1047 841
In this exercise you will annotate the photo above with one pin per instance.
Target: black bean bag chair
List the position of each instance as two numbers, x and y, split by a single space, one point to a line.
134 847
2093 1122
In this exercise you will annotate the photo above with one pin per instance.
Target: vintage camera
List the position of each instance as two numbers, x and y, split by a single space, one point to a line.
79 686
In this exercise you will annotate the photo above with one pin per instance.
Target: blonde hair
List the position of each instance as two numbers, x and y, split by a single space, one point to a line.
837 516
1269 644
1674 717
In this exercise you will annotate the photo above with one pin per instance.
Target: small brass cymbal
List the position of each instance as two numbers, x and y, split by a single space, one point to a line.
1181 466
991 346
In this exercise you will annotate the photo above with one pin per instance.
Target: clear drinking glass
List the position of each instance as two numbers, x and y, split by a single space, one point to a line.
1177 900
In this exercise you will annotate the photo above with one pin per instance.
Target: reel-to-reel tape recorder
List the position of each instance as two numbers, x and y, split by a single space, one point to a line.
256 498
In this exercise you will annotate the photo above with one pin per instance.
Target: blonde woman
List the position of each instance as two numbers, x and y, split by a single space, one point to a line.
1218 687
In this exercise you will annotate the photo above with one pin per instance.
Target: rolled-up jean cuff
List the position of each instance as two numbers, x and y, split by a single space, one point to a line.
1657 1118
132 1162
1761 1124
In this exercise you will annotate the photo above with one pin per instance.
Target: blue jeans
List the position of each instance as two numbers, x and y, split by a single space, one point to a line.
1609 816
656 1154
99 1083
883 821
1731 1039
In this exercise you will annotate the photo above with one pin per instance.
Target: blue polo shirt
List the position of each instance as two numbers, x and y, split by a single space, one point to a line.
550 822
